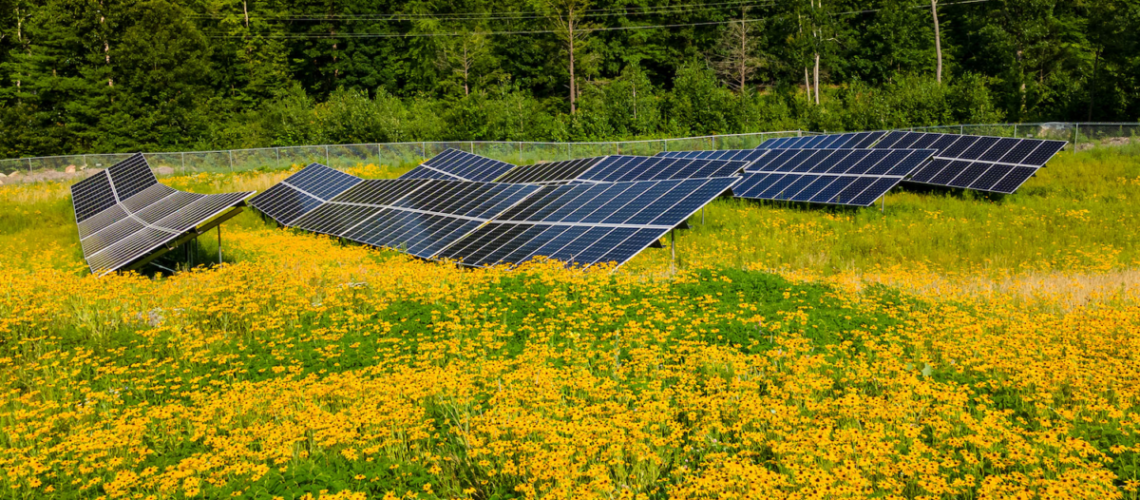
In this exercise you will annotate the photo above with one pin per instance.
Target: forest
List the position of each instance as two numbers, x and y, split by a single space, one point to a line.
88 76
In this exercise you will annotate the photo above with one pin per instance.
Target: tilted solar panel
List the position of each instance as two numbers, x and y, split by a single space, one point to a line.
417 216
588 223
996 164
454 164
654 168
302 192
746 155
124 216
854 177
551 172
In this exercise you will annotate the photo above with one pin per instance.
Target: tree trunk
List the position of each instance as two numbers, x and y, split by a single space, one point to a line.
1092 82
817 78
466 70
573 87
937 39
807 84
245 10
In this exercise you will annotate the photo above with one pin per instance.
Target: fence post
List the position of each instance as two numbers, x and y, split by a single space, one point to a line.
568 151
423 149
327 157
29 165
961 129
714 143
1015 130
665 144
1076 137
231 152
520 153
278 156
379 159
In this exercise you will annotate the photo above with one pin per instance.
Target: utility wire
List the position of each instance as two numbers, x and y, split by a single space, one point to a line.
547 31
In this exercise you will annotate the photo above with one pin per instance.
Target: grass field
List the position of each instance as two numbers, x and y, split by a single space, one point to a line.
949 347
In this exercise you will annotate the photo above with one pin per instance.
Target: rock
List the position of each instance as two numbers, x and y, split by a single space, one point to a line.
70 169
14 174
164 171
2 175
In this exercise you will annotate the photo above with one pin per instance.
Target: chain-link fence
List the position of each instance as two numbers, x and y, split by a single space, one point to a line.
404 154
340 156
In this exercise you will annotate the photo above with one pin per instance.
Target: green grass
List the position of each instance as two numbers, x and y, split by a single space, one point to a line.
1075 215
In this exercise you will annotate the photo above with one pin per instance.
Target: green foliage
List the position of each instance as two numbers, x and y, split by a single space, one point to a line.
122 75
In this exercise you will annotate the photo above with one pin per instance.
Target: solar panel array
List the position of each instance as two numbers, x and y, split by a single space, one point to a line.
588 223
855 177
993 164
459 165
302 193
124 215
418 216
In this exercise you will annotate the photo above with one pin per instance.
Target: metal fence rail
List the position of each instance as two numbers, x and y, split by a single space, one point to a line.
392 154
1080 136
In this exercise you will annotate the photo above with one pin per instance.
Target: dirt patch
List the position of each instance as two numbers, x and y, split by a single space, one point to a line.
48 176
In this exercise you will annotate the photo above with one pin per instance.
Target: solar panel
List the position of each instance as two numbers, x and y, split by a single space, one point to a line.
854 177
588 223
746 155
125 216
622 168
302 192
551 172
454 164
848 140
995 164
418 216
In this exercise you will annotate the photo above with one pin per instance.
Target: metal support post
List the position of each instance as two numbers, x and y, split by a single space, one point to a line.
1076 137
423 150
231 162
327 157
278 156
673 251
379 158
219 244
568 151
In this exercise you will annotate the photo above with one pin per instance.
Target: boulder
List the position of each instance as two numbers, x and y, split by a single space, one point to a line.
2 175
70 169
14 174
164 171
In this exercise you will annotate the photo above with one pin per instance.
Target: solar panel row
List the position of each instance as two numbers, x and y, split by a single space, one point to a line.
588 223
124 215
994 164
854 177
746 155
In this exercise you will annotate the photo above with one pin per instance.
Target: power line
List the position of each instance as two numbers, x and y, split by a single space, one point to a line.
664 9
547 31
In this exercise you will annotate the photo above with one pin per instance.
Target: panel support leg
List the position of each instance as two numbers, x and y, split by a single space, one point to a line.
673 251
219 244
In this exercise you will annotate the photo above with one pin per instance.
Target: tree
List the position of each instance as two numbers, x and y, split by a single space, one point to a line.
937 38
738 52
463 55
566 19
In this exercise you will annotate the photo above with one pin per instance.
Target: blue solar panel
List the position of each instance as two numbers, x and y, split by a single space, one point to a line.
416 216
827 141
302 192
994 164
647 168
454 164
588 223
828 176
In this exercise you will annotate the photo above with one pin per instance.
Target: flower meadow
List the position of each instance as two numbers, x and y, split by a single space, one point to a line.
305 368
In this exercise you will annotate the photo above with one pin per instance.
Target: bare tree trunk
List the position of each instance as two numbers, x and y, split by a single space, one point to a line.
807 84
107 51
1092 81
817 78
937 38
245 10
573 86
